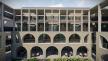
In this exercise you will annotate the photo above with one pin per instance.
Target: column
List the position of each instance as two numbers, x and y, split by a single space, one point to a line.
67 20
44 53
89 21
89 51
74 20
2 22
99 18
28 19
74 51
13 35
59 52
36 20
21 18
44 20
28 53
81 20
59 20
52 20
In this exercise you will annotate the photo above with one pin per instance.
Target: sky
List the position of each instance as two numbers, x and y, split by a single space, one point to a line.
52 3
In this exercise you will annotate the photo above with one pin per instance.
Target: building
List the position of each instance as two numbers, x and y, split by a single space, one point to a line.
6 28
50 32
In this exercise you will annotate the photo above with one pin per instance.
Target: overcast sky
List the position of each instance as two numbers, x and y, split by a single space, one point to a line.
52 3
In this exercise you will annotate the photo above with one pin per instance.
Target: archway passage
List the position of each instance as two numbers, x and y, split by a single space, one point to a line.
67 51
82 51
36 51
105 57
51 51
44 38
29 38
59 38
21 52
104 42
74 38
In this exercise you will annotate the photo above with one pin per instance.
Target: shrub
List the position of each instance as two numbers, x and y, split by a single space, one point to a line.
33 59
48 59
64 59
87 59
58 59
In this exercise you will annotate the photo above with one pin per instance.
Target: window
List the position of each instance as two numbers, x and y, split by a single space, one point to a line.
59 38
28 38
44 38
74 38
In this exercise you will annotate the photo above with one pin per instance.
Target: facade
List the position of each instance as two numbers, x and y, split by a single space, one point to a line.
57 32
6 27
51 32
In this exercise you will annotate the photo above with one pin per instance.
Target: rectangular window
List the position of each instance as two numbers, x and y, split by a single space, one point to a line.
62 18
70 27
48 27
25 26
77 27
40 12
55 27
40 19
85 26
40 26
32 27
32 16
62 12
63 27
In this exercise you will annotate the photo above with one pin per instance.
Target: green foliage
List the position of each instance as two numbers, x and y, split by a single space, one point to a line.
64 59
33 59
72 59
87 60
48 59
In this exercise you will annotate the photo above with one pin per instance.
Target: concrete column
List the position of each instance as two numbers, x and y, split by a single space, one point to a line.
44 20
99 18
89 21
89 51
2 47
52 41
74 20
36 20
2 21
74 51
67 20
29 20
53 20
59 20
59 52
28 54
21 18
98 47
67 38
44 53
13 35
81 20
